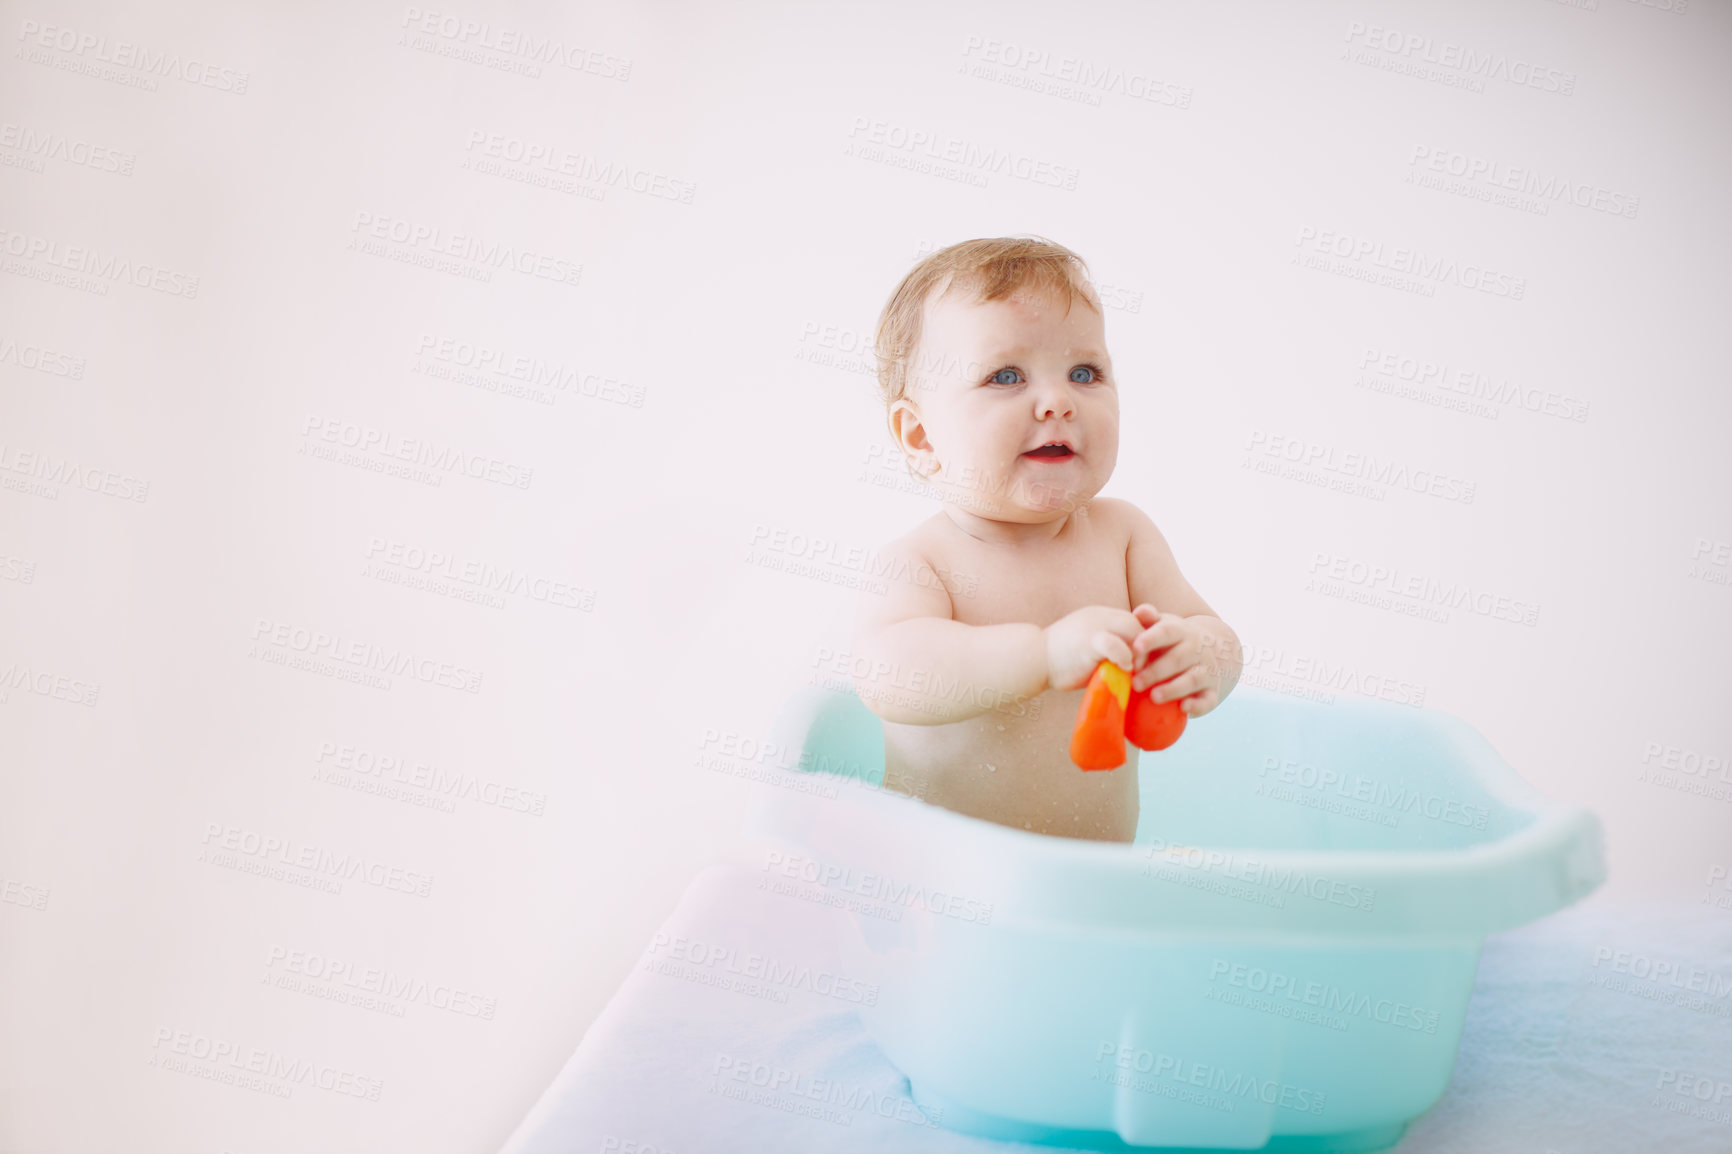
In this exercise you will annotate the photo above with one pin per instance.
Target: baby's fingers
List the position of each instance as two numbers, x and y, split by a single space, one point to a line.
1161 634
1112 647
1198 704
1184 684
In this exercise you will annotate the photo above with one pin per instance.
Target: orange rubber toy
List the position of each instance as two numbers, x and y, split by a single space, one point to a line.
1111 713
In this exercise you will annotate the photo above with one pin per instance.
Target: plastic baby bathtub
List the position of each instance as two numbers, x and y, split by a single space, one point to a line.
1281 961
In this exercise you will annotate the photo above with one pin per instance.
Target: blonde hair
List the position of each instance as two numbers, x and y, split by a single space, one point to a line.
992 268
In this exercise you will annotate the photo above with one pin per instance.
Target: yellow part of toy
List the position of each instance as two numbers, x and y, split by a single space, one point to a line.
1118 681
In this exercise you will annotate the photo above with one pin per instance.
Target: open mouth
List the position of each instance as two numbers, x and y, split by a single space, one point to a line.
1055 451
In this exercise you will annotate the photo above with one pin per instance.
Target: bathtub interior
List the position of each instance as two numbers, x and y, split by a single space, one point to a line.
1266 771
1271 772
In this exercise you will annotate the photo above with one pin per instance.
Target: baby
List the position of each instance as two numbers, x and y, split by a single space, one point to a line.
993 364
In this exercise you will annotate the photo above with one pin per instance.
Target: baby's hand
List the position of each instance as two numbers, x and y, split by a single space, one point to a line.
1173 649
1078 641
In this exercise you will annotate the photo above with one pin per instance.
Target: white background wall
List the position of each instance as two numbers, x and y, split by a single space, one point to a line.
164 514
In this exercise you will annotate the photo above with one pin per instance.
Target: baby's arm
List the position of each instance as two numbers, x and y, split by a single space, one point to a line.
1213 665
914 663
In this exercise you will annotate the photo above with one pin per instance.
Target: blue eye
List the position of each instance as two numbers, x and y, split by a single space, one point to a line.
1093 376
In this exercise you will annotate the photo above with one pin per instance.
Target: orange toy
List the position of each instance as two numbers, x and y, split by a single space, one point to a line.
1111 713
1153 724
1098 741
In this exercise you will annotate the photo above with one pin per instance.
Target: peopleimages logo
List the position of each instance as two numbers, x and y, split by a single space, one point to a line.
340 976
859 559
484 34
315 860
802 1093
1069 77
1495 174
869 137
1263 883
496 365
362 655
1479 65
31 897
123 54
1357 787
1410 262
880 677
753 974
377 771
92 262
232 1060
1228 1084
555 161
44 683
1355 466
877 887
38 145
40 359
1321 995
1453 595
1433 376
53 471
1690 978
443 459
477 575
431 242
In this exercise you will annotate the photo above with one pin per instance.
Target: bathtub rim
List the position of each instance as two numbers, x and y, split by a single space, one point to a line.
1553 860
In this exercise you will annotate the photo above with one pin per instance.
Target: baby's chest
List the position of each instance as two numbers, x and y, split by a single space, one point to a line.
985 590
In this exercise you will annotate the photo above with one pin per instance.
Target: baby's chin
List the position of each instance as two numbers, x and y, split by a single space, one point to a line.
1022 496
1043 502
1051 496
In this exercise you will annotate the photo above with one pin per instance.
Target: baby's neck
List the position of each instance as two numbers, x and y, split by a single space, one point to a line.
995 532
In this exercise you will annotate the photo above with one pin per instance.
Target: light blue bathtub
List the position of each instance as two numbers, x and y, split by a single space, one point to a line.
1281 961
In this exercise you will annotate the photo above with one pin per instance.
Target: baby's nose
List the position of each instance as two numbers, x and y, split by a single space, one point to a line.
1056 400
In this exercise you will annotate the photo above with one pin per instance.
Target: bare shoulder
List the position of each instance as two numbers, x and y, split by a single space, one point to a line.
1119 517
1151 570
906 587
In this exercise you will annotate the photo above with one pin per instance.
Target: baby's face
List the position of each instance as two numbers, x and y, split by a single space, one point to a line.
993 381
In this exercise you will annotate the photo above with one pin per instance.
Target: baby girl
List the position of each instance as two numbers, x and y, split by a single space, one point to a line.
993 364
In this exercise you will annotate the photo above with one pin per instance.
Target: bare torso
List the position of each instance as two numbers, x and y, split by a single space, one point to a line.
1012 765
